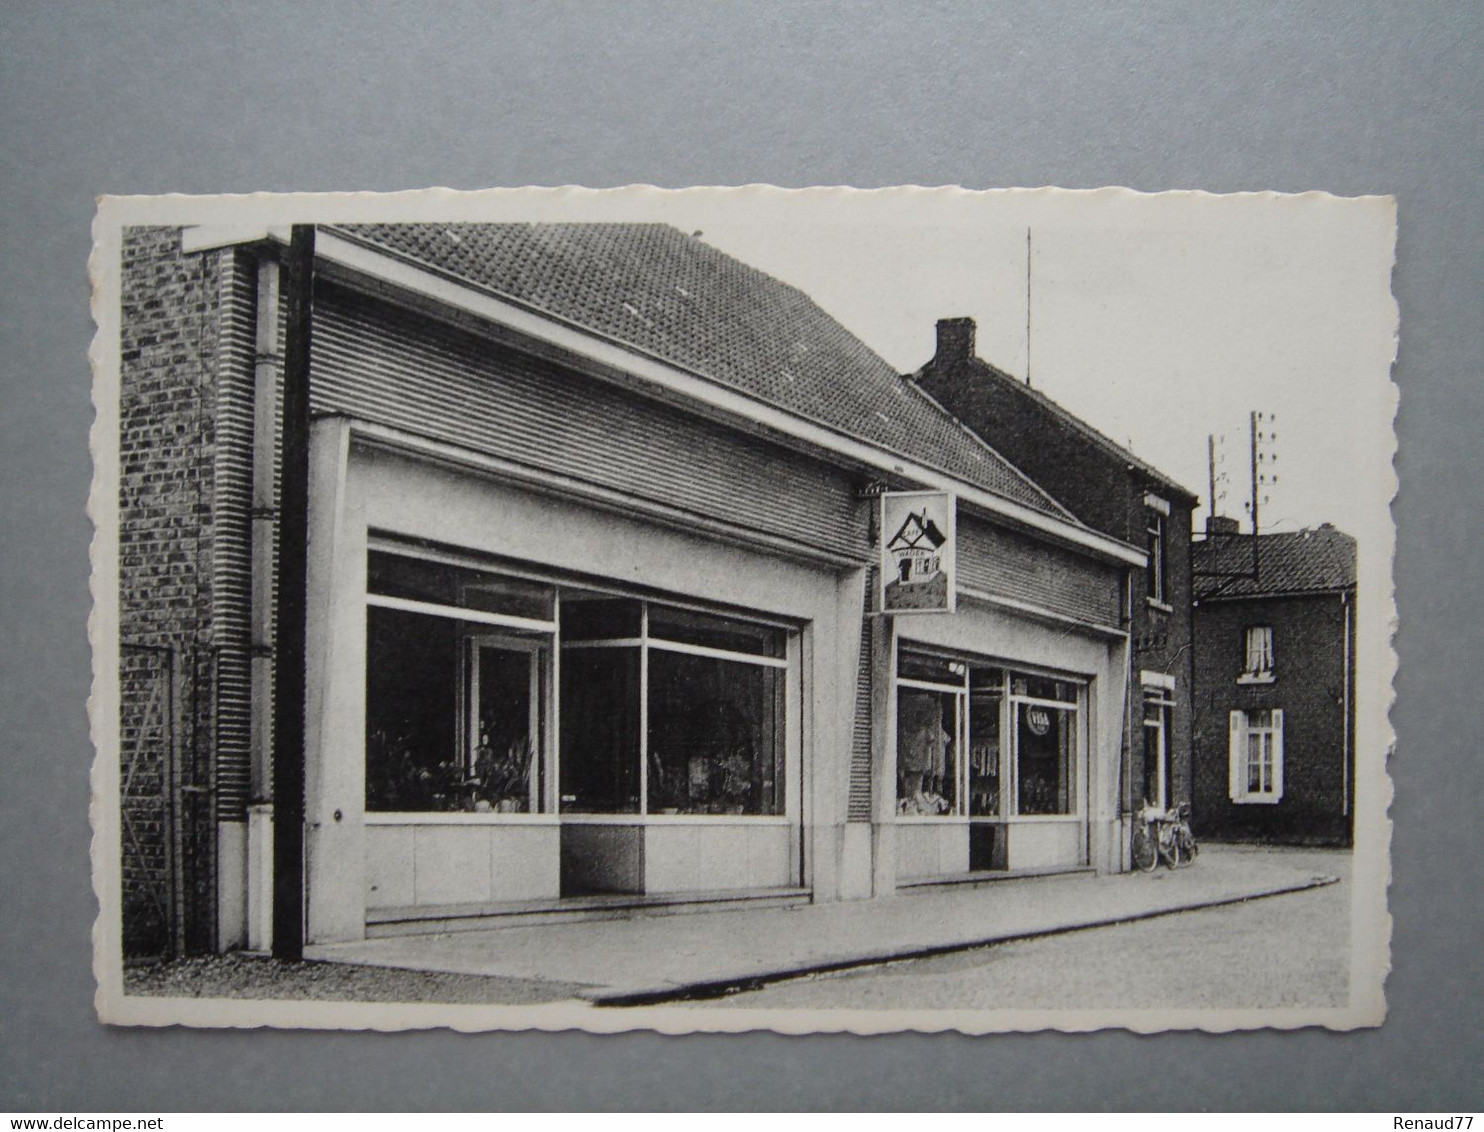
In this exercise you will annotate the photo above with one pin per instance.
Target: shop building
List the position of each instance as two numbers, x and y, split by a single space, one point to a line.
1113 491
1275 686
593 594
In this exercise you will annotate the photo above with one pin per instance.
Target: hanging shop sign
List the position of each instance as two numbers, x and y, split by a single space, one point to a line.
918 552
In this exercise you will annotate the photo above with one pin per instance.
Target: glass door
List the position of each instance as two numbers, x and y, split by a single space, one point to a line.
506 678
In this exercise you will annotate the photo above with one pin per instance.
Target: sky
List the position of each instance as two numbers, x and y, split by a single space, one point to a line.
1159 320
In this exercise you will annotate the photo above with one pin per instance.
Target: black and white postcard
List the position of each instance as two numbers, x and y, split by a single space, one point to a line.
743 608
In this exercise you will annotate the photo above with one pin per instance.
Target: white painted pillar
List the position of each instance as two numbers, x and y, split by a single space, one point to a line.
335 709
260 877
835 647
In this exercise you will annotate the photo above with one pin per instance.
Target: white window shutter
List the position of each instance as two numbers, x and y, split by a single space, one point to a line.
1236 756
1277 754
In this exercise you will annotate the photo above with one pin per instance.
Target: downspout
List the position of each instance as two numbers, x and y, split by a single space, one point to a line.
1124 802
1346 610
289 692
267 371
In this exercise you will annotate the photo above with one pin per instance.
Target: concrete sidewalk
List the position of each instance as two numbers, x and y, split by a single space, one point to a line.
649 959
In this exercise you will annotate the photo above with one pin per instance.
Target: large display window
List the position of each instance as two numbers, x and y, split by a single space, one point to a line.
458 681
501 695
670 711
1045 744
982 741
931 696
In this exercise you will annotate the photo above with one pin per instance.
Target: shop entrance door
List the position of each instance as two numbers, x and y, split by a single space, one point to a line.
504 740
1156 753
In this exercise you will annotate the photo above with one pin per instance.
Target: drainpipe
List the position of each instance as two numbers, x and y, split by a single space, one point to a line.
1346 610
293 556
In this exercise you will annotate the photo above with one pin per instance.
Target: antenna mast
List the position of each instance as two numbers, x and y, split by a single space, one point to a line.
1027 306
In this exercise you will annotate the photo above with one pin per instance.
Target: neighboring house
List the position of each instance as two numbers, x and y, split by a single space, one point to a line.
1112 490
566 478
1275 686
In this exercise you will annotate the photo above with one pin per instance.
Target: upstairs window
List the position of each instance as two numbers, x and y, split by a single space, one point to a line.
1257 664
1156 518
1255 756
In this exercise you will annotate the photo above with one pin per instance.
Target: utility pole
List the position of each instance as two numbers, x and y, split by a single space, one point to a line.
1262 458
1253 419
290 649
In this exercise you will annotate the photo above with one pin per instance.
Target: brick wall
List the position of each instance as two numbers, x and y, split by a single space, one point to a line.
167 345
1308 648
1161 642
1084 478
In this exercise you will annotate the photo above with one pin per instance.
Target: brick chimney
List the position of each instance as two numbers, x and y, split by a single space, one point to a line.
955 341
1224 525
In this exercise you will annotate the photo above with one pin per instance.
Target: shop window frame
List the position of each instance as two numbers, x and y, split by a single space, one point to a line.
646 643
473 625
476 622
1009 760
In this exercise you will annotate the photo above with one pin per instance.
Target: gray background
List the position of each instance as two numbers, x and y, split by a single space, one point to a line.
146 98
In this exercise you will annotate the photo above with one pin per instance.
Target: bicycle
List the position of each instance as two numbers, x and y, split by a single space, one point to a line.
1163 835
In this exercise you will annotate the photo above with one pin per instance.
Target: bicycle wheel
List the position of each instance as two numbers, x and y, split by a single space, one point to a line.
1174 854
1189 849
1145 856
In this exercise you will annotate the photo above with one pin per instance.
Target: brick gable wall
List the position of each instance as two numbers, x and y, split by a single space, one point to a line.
1308 648
167 483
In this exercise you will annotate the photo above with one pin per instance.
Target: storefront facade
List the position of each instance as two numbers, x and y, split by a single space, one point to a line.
502 727
593 626
496 727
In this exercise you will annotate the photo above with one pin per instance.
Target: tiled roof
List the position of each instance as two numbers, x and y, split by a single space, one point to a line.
1298 562
675 297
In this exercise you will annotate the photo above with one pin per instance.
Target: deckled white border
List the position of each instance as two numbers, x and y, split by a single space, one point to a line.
1376 668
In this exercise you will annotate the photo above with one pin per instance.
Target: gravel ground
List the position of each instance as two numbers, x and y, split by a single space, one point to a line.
1278 951
250 976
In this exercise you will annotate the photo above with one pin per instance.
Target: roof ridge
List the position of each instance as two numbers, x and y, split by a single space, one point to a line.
1077 422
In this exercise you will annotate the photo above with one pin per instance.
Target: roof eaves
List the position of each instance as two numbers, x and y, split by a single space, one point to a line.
982 443
1269 595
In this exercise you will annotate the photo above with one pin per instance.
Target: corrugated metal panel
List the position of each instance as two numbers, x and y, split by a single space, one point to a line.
381 364
858 805
232 553
1010 565
676 297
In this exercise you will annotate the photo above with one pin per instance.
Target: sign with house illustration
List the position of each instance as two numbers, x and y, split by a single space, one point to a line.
917 552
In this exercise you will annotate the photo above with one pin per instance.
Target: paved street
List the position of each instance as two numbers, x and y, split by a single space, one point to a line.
1280 951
